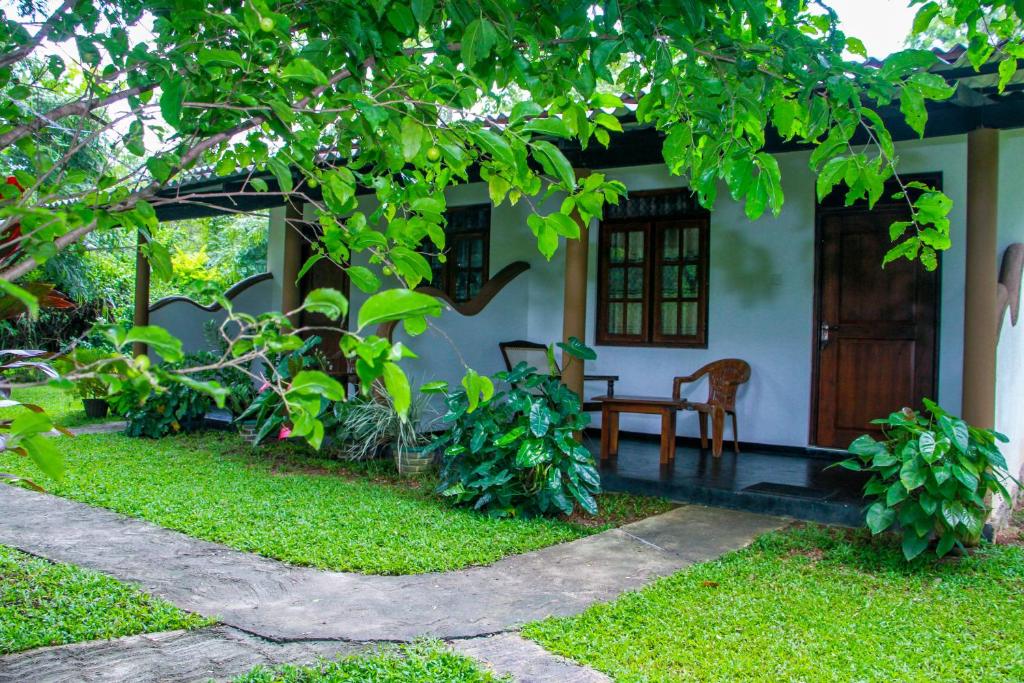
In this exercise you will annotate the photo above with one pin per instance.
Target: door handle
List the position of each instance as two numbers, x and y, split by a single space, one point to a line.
823 333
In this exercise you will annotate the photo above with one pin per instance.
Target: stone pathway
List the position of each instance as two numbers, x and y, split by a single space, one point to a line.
284 603
219 652
525 660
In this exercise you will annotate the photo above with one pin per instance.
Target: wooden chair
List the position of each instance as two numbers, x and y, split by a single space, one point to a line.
724 378
536 355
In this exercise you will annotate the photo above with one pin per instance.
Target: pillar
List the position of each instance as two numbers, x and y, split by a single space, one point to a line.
980 300
291 293
142 275
574 302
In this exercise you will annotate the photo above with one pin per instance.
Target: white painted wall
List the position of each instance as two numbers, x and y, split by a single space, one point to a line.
1010 352
761 299
186 320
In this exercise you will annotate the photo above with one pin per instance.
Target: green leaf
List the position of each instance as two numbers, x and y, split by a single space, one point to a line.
340 190
45 455
550 125
913 474
318 383
879 517
924 16
413 136
895 494
912 107
397 385
577 349
532 453
396 304
554 163
913 545
328 301
1007 68
219 57
363 278
478 40
157 339
172 96
28 299
422 9
304 71
160 261
540 419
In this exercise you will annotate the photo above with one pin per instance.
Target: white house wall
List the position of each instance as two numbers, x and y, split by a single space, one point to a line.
1010 352
761 300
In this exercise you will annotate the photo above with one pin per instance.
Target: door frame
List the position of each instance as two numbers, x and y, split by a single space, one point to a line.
833 204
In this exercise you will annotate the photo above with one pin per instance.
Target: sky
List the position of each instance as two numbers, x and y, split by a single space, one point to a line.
883 25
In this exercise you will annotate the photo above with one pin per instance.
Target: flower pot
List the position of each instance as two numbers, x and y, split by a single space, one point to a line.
95 408
414 460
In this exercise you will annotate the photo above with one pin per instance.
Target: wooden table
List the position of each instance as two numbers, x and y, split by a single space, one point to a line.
611 406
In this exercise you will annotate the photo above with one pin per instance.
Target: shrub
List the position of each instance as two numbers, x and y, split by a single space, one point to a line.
516 453
931 474
173 409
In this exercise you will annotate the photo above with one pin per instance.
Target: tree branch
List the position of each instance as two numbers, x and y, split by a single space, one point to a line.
19 54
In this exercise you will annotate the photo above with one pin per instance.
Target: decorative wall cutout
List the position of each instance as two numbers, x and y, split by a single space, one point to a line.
232 292
474 305
1010 274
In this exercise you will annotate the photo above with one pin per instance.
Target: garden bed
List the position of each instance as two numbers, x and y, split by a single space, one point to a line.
811 604
279 503
43 603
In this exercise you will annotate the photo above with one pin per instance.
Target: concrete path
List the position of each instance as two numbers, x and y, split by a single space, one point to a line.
284 603
524 660
218 653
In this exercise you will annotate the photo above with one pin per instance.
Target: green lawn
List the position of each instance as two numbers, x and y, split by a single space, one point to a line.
269 501
811 604
65 409
424 662
42 603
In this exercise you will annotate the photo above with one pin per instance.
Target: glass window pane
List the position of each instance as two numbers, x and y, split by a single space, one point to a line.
615 318
670 251
691 243
669 282
691 285
634 315
462 253
616 283
635 282
476 281
461 286
476 258
617 253
669 318
636 247
689 318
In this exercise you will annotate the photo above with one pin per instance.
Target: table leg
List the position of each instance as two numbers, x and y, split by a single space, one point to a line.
614 418
606 433
717 429
672 436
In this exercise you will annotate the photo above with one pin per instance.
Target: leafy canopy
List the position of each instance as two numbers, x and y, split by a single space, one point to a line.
312 101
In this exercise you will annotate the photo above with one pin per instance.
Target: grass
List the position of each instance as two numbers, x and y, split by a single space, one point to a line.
346 517
42 603
811 604
64 408
424 662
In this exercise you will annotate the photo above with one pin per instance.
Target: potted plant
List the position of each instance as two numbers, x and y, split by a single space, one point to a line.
412 445
93 392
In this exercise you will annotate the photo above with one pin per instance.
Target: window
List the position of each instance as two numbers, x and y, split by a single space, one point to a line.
464 269
653 272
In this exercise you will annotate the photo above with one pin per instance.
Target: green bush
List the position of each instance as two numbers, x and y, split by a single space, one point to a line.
932 474
516 453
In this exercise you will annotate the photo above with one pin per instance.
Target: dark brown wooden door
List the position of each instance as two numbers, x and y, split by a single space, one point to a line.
324 273
875 328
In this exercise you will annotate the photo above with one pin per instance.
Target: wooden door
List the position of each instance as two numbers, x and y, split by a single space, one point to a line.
876 329
324 273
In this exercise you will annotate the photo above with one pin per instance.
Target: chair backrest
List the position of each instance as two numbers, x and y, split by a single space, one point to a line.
519 351
724 378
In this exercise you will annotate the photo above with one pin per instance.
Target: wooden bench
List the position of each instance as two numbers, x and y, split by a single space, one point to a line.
612 406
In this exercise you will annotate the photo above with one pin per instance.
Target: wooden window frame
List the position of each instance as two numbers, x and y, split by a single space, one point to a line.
449 271
654 230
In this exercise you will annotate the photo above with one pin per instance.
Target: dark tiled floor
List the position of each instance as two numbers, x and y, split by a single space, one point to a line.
797 483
